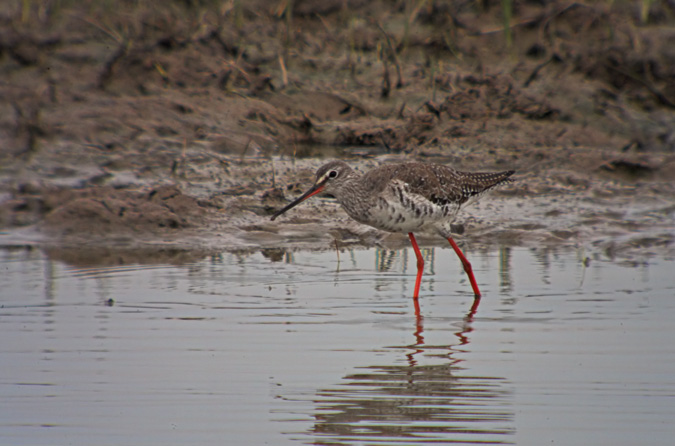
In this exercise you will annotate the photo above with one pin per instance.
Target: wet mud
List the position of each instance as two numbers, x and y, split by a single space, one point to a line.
186 127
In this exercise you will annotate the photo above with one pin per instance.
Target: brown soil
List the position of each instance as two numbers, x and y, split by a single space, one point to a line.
185 125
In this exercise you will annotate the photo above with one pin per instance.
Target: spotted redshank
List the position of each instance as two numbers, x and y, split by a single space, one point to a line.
405 197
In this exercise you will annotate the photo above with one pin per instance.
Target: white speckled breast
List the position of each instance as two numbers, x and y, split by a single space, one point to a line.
399 210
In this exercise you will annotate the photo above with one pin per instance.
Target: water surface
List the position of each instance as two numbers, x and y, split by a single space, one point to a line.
319 348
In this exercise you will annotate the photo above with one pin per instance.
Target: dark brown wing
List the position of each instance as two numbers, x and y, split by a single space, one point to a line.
475 184
439 184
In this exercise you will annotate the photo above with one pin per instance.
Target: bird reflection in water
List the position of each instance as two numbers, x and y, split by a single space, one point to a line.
417 402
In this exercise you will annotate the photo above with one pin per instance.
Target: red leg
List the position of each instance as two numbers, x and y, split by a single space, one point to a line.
420 269
474 308
467 268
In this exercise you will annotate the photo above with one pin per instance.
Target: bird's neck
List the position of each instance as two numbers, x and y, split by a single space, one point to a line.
351 194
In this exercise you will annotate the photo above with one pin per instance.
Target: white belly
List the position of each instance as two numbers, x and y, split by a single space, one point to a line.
411 216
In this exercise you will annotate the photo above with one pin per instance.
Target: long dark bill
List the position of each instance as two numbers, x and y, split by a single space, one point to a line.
312 191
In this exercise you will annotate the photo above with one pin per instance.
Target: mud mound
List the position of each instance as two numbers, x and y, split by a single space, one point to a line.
103 211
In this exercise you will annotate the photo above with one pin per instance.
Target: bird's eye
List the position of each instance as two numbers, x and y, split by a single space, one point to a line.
332 174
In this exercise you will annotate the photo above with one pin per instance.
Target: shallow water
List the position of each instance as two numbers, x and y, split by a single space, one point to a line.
312 348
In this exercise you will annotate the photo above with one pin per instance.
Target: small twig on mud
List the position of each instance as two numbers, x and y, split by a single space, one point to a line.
548 19
562 10
284 74
112 34
285 10
392 51
325 24
162 72
507 13
538 68
243 152
28 127
274 175
181 160
386 82
228 50
432 79
107 71
502 29
350 105
652 89
220 161
431 107
384 141
401 111
234 65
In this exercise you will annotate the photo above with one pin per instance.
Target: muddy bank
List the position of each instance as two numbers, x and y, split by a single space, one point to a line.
186 127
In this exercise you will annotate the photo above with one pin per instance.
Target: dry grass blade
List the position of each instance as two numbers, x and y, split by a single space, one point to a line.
394 55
